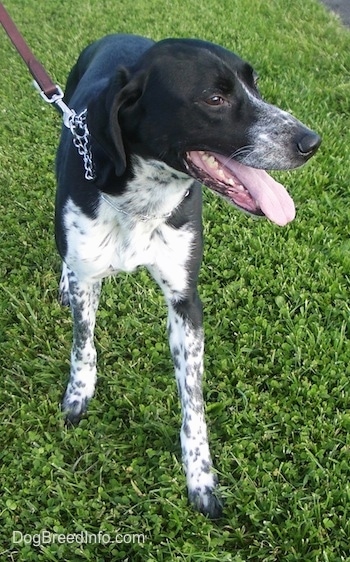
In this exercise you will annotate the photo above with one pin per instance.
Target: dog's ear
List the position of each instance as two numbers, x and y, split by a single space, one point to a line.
104 119
125 115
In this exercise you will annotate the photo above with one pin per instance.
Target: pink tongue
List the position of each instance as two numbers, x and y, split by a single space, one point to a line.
271 196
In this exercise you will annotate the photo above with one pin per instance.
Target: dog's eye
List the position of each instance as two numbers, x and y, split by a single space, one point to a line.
215 100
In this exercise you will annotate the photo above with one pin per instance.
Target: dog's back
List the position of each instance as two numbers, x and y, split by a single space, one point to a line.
98 63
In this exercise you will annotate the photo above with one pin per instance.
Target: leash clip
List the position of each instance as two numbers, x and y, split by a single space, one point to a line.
77 126
57 99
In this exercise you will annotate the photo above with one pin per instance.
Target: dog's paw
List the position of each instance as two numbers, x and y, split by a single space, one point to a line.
203 494
73 409
207 501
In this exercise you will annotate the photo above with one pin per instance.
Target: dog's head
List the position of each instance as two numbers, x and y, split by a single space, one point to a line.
196 107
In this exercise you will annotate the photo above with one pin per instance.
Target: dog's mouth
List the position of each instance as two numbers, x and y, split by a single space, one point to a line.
250 189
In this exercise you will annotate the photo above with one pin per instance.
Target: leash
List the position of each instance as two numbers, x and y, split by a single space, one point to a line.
52 93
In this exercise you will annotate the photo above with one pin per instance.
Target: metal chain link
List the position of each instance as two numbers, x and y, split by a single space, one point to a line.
77 126
81 140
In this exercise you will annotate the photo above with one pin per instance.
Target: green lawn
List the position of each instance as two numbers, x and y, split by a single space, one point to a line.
276 319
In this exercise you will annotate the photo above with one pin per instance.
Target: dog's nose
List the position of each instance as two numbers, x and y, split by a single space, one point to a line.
308 144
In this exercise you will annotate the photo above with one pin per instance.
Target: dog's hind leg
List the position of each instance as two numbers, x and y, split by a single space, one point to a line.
63 291
83 300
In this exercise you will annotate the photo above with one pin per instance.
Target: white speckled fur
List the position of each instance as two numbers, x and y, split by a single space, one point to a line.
123 240
119 238
187 347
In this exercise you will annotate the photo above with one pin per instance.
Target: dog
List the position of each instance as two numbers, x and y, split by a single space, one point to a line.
158 120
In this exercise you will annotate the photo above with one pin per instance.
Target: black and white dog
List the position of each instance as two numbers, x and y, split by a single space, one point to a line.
161 119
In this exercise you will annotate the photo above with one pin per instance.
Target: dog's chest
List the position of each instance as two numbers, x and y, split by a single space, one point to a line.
105 245
131 230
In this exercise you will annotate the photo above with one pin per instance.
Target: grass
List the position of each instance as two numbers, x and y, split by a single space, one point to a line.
276 320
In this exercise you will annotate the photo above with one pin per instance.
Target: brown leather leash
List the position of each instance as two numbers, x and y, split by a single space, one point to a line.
46 85
52 93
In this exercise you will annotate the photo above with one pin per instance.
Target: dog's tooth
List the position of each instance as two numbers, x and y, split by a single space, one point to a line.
231 182
212 163
239 187
221 175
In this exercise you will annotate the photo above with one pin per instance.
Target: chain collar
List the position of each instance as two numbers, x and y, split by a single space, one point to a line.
81 140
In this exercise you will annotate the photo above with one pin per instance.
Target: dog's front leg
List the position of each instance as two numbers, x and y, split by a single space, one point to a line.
186 340
83 300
